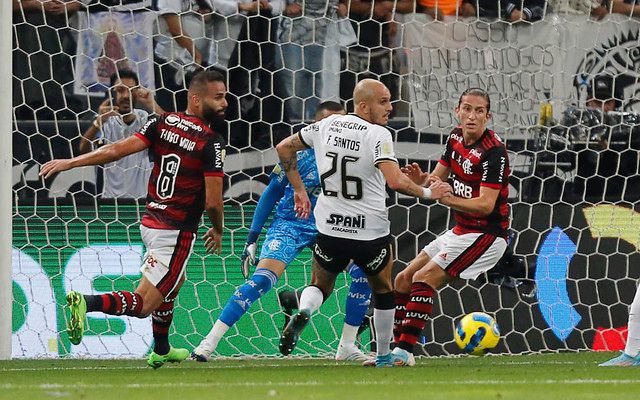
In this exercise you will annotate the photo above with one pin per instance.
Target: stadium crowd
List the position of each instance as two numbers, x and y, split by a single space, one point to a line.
270 50
281 58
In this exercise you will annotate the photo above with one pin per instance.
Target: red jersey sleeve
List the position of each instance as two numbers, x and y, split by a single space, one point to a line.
495 167
213 156
149 131
445 159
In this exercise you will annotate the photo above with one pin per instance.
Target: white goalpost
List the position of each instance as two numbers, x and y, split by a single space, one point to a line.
6 296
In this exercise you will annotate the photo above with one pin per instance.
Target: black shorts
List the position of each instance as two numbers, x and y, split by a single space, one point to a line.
334 254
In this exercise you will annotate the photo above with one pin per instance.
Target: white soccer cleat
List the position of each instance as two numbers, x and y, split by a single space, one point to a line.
352 353
402 358
202 353
623 360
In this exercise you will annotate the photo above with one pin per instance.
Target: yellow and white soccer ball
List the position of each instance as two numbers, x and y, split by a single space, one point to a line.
477 332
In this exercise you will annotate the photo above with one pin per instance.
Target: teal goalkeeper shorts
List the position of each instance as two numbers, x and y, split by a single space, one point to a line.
286 239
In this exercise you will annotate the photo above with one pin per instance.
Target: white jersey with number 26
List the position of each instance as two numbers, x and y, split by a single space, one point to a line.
352 203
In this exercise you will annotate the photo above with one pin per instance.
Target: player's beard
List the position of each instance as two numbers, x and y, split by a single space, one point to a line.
211 115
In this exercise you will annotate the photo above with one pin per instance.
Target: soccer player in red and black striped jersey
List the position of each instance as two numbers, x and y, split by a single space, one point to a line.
475 163
187 179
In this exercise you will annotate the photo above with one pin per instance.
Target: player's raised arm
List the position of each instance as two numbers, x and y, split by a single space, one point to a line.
287 150
105 154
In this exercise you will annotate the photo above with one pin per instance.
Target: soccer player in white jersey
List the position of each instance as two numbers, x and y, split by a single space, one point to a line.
355 157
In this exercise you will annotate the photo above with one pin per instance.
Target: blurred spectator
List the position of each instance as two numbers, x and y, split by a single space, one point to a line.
525 10
182 46
183 32
42 65
303 36
438 9
113 35
596 8
605 143
373 55
512 10
252 106
53 7
626 7
603 94
119 117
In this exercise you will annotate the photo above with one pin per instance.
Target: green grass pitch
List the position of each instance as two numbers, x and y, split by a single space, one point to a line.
548 376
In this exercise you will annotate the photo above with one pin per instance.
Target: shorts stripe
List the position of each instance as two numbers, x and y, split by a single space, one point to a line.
178 262
471 254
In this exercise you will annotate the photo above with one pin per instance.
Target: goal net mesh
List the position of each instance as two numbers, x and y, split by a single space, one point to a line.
574 169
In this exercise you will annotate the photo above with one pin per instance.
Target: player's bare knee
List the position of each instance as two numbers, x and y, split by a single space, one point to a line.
150 303
147 309
431 274
402 282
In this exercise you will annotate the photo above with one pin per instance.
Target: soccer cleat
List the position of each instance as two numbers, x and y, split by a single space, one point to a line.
383 361
174 355
197 355
202 352
623 360
352 353
77 315
292 331
402 358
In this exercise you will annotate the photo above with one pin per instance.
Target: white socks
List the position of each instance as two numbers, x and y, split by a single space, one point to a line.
383 323
633 341
349 333
311 299
210 342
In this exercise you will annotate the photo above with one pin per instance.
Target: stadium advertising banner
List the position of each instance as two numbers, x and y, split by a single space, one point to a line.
580 257
57 249
520 65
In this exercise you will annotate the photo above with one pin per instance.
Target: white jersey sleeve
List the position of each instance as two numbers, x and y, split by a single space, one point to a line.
383 150
309 133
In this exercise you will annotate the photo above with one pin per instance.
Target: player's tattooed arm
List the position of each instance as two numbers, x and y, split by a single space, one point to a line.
287 151
292 144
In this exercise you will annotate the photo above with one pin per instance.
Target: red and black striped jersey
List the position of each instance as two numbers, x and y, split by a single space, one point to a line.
184 150
483 163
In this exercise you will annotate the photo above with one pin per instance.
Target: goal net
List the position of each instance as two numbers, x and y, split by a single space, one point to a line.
574 168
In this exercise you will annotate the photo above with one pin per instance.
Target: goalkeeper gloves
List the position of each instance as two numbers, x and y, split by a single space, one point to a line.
248 258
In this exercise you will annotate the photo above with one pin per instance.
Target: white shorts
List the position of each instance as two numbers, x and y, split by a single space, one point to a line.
467 255
165 261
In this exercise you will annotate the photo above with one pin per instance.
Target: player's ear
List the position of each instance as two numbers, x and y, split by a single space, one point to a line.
195 99
364 106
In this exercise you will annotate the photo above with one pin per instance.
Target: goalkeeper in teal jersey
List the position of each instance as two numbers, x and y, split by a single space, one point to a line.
287 236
